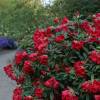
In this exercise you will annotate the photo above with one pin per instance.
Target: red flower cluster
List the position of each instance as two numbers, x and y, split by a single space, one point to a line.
33 57
52 83
38 92
40 40
56 20
68 95
27 68
20 56
59 38
9 71
28 98
97 97
65 20
17 93
93 30
79 69
95 56
43 59
88 28
77 45
91 87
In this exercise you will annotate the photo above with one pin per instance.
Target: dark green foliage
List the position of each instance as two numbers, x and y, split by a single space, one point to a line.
68 7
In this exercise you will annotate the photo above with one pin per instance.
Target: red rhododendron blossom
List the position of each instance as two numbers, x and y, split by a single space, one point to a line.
19 57
24 54
93 39
96 19
38 92
95 56
27 68
9 71
85 25
40 40
43 59
65 20
17 93
79 69
91 87
67 95
59 38
56 20
33 57
64 28
28 98
77 45
97 97
52 83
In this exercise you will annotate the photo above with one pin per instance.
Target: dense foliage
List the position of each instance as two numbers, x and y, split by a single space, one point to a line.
63 64
17 17
68 7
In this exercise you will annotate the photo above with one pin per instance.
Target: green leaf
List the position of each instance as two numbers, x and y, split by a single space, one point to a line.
51 96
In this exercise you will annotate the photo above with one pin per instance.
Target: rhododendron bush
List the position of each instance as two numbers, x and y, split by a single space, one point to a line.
63 64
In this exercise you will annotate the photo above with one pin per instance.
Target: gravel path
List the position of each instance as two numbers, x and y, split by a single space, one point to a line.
6 85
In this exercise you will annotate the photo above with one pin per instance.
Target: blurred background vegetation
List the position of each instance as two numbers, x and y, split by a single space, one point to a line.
19 18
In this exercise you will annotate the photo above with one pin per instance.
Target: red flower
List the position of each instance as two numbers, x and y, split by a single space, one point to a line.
17 93
24 54
40 40
9 71
93 39
67 95
52 83
33 57
27 68
86 86
19 57
43 59
85 25
59 38
79 69
65 20
97 97
95 57
17 97
77 45
28 98
38 92
91 87
56 20
64 28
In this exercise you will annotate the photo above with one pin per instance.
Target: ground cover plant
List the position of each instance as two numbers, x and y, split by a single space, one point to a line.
62 64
